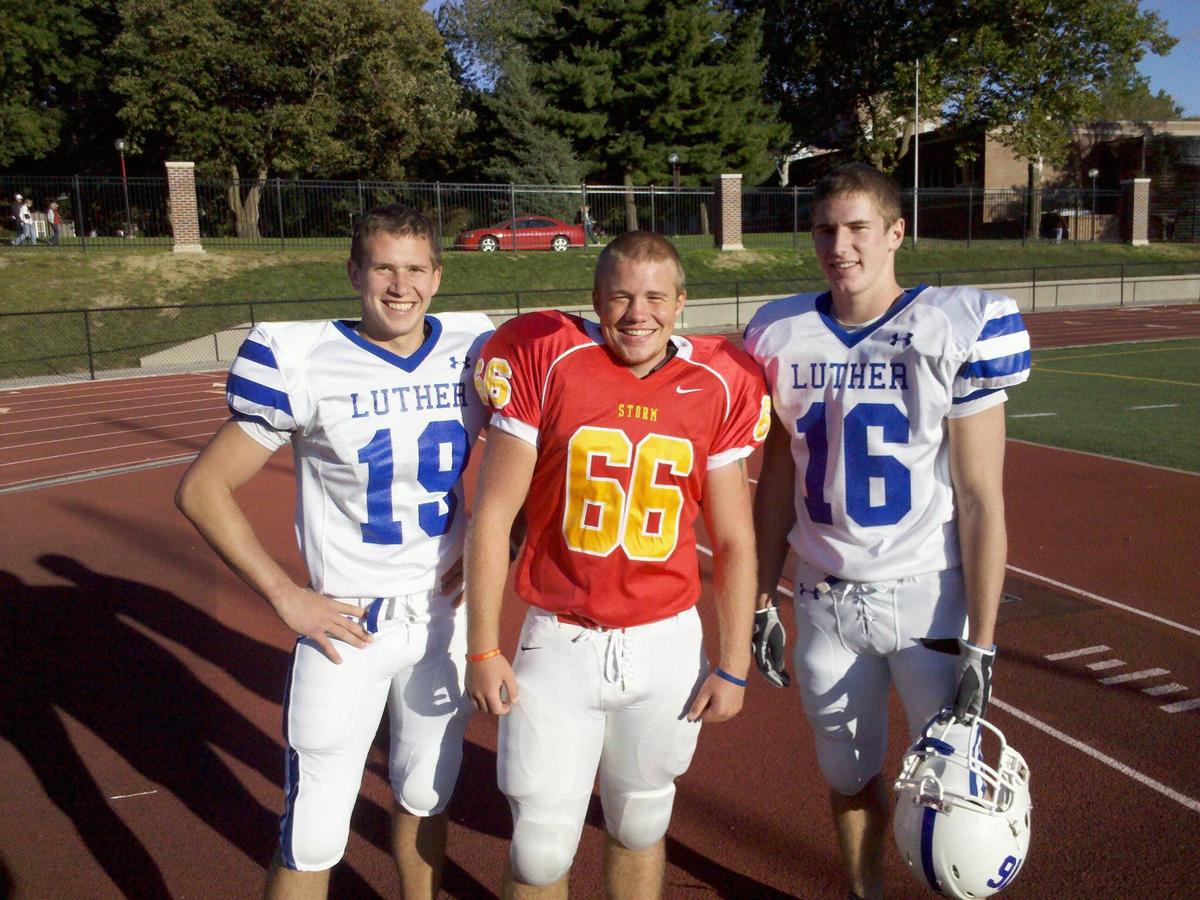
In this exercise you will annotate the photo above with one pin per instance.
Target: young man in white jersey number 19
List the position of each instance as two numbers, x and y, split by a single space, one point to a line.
889 443
381 415
612 436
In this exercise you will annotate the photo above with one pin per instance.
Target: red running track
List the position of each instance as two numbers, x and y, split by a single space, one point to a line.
140 749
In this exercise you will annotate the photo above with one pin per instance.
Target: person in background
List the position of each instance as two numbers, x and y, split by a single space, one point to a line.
54 221
24 214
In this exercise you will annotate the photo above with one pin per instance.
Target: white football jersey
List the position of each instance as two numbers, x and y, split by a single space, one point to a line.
380 444
866 410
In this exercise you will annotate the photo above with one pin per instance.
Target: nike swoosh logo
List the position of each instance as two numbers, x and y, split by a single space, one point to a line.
524 647
683 390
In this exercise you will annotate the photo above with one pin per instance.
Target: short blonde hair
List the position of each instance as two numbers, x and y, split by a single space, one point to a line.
641 246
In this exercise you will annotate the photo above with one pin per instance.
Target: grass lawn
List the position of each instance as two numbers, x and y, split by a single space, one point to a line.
1133 401
49 278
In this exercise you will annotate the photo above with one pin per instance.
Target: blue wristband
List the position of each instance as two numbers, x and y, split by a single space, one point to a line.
732 679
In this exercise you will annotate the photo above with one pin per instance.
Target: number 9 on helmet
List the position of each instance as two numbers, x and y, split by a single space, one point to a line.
962 826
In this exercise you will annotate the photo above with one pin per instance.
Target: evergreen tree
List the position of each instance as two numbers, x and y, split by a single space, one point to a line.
523 148
628 82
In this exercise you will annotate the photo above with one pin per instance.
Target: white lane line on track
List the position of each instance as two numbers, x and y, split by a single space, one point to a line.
103 434
1113 603
1155 406
1134 676
1032 415
1170 793
88 424
1161 689
1106 664
108 402
1181 706
1116 459
138 794
182 437
18 487
123 410
1073 654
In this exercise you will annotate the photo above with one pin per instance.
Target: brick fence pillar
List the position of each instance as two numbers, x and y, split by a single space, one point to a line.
728 202
185 216
1135 211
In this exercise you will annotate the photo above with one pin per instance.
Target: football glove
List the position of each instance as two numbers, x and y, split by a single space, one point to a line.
974 681
768 646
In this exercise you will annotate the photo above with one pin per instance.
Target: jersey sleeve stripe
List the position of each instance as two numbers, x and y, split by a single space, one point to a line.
1010 324
514 426
724 458
239 388
975 395
999 367
259 353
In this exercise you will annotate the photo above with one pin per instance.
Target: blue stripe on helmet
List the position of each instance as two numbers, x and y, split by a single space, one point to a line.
928 824
244 388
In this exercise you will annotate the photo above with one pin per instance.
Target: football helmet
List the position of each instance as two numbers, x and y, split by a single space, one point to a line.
962 826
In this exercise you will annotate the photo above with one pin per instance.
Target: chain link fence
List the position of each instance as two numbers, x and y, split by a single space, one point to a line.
69 345
108 213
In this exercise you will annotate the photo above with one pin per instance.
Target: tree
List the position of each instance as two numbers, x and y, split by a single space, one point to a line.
301 87
53 94
1025 70
1126 97
523 148
628 82
484 36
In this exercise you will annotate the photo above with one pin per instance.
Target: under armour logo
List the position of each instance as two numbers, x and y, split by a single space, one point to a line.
801 590
897 337
454 363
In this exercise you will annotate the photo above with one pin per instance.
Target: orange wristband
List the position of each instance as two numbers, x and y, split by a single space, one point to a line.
480 657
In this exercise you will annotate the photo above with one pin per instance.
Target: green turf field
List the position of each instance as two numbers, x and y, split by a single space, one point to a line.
1133 401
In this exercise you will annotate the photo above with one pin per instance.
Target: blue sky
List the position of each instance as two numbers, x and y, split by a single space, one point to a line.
1176 73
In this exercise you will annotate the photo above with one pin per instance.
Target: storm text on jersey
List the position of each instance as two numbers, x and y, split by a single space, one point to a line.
868 376
409 398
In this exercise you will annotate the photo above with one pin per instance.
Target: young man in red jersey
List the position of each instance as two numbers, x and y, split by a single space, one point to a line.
611 437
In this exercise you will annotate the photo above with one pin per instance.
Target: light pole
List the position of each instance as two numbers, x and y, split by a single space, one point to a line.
673 159
119 144
1093 174
917 139
916 146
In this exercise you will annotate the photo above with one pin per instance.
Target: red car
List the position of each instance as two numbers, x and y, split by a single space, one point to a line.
532 233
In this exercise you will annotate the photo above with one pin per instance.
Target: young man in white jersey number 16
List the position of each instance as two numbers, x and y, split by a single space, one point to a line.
381 415
612 437
890 445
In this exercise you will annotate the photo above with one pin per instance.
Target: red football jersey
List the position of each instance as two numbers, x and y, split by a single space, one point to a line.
621 461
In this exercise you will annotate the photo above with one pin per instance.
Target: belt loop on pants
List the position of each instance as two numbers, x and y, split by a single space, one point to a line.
413 608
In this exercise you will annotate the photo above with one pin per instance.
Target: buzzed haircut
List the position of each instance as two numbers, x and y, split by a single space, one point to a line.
397 220
641 246
859 178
